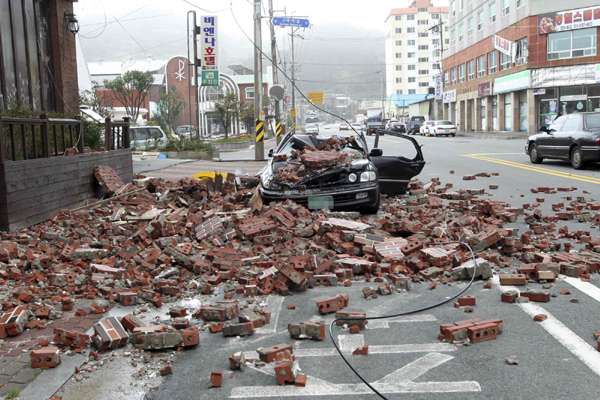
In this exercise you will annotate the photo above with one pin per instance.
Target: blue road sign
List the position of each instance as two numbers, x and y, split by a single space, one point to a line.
295 22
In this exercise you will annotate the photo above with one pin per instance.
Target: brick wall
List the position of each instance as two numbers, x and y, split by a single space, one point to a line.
243 87
537 55
63 58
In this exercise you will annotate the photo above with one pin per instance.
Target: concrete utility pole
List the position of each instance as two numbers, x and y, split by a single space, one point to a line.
293 86
383 96
278 128
259 148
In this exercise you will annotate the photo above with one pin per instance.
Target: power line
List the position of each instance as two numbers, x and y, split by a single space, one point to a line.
204 9
141 51
130 19
130 35
115 20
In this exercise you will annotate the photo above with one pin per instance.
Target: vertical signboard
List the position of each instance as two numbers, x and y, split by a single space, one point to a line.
438 87
209 51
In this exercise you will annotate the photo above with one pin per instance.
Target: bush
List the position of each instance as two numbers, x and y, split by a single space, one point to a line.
184 144
232 140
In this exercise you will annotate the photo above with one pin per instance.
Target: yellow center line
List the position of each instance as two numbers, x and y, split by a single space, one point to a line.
536 169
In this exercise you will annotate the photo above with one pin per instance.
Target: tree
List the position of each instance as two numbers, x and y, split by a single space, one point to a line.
229 109
247 115
89 98
131 89
169 106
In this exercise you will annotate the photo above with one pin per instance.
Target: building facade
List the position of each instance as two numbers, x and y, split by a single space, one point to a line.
513 65
38 63
413 48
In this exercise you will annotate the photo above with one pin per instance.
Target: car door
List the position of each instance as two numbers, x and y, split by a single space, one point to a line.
546 142
564 138
396 171
140 137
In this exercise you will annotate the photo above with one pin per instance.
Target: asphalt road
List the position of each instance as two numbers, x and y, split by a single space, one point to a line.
557 358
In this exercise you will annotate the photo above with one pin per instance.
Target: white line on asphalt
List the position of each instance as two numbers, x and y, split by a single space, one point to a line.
415 369
349 343
275 304
576 345
496 154
393 349
586 287
382 324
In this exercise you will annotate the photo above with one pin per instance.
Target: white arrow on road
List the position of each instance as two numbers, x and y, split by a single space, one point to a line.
399 381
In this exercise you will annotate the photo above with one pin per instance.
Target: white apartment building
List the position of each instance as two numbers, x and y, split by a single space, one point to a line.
413 50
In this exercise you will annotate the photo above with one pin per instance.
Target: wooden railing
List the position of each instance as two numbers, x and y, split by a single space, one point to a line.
30 138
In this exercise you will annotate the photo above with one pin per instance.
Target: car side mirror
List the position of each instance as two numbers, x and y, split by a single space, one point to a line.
270 153
544 129
376 153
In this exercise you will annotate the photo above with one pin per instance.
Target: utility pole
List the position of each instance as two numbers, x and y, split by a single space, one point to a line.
259 148
383 96
293 87
278 127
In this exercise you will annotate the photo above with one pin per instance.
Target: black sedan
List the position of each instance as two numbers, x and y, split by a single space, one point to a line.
574 138
398 127
355 186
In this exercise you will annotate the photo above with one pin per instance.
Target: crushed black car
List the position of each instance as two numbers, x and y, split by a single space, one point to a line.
337 173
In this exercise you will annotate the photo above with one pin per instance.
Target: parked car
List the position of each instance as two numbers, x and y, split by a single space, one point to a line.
414 124
343 127
574 138
425 128
147 136
397 127
354 186
311 128
357 127
442 128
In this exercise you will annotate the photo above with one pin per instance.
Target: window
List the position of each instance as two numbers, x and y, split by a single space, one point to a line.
398 30
480 66
505 7
435 41
453 35
412 42
492 13
410 30
423 22
398 42
423 72
412 67
470 70
461 73
140 134
470 26
571 44
398 55
412 55
398 17
453 8
436 54
435 16
453 76
412 80
398 67
461 4
447 41
435 66
423 84
461 32
521 3
398 91
423 34
410 17
492 62
505 61
447 78
412 91
572 123
522 52
423 59
398 80
154 133
480 21
422 9
423 47
249 93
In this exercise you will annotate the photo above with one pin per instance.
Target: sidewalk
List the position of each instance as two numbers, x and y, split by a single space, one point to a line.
188 169
495 135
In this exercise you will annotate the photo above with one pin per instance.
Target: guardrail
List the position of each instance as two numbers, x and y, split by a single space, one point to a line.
117 134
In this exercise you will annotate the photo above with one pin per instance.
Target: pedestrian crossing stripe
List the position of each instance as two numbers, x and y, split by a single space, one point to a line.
278 129
260 130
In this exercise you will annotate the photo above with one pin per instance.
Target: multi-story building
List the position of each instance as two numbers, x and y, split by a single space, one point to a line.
513 65
413 50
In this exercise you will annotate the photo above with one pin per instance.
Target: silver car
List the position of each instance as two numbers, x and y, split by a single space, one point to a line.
311 128
147 136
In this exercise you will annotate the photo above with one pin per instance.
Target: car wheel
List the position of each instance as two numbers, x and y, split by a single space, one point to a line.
577 158
454 134
534 155
371 210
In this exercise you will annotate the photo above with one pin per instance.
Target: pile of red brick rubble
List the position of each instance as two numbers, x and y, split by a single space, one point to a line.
189 238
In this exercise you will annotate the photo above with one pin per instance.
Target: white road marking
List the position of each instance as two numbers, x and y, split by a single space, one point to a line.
349 343
576 345
393 349
275 304
385 323
586 287
400 381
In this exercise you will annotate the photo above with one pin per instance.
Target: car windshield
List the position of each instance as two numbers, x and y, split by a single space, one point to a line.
311 126
301 141
444 123
418 119
592 121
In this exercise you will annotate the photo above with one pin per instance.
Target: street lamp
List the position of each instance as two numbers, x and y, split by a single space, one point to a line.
72 22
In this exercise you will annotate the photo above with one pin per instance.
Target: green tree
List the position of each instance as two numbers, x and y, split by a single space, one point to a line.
131 90
89 98
169 106
229 109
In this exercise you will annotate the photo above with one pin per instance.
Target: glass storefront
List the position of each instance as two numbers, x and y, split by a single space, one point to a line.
507 111
482 114
495 126
523 110
573 99
548 107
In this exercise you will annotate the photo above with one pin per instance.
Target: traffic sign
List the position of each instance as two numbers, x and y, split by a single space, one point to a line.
295 22
262 115
293 112
315 97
